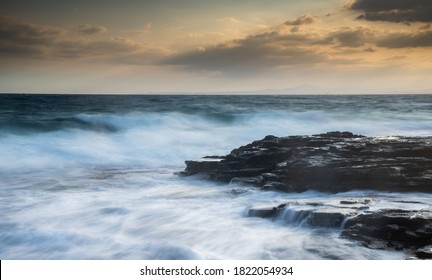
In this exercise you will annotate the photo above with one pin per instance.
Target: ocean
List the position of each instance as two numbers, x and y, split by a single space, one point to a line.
96 176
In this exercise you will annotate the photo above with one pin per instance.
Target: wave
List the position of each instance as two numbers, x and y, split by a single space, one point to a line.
153 132
28 126
368 123
166 139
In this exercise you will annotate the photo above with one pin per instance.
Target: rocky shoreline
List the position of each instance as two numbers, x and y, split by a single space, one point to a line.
338 162
360 220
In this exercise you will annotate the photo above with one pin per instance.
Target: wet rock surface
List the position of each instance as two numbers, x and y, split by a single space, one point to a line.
330 162
363 221
395 228
338 162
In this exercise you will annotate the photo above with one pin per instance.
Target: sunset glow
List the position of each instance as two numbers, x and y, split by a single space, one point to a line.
360 46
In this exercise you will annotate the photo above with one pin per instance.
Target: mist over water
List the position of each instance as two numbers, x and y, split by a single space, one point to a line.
93 177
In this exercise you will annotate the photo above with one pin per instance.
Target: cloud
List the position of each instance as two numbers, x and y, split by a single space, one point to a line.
305 19
88 29
281 47
229 20
351 37
394 10
360 37
295 29
288 45
145 30
22 38
94 49
244 59
254 53
406 40
119 50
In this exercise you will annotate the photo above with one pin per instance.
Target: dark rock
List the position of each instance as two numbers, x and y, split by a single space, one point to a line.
350 202
409 201
385 229
327 219
319 215
330 162
271 212
353 202
263 213
399 229
201 166
424 252
214 157
337 162
338 134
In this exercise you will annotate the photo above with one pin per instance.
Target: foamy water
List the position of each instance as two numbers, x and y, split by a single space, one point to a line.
94 177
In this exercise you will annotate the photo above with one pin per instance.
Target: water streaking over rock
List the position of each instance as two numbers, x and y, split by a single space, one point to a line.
407 226
338 162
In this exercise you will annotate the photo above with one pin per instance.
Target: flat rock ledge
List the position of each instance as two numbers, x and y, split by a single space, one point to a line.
330 162
338 162
409 231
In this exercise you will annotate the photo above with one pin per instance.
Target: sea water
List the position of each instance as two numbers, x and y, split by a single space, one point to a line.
95 176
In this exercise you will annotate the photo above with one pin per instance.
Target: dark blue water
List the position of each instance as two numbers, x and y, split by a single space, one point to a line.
92 176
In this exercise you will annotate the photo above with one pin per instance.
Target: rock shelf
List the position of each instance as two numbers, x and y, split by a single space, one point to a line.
337 162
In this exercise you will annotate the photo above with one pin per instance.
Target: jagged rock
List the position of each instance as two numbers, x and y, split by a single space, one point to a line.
203 166
410 231
338 162
330 162
394 228
311 214
263 212
327 218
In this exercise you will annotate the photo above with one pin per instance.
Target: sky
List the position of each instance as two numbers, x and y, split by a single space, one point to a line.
132 46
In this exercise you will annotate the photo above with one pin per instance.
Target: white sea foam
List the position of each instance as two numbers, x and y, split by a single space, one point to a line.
152 214
157 140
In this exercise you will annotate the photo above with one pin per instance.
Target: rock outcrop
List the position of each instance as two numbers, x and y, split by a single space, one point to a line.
388 229
339 162
330 162
395 228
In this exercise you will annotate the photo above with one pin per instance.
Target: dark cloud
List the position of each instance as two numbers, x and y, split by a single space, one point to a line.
253 54
394 10
405 40
116 50
360 37
305 19
286 45
94 49
279 48
21 38
353 38
88 29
